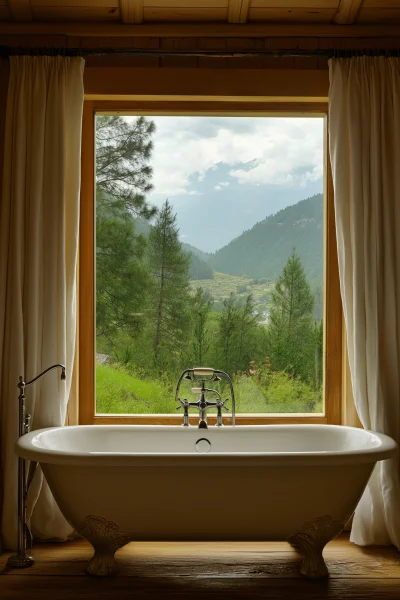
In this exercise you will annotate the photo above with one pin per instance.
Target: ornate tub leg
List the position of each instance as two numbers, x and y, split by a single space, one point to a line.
310 540
105 537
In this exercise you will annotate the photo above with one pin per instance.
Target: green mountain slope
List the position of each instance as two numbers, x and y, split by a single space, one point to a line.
263 250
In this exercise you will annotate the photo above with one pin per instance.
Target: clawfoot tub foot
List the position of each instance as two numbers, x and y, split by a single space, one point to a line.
310 541
101 564
106 538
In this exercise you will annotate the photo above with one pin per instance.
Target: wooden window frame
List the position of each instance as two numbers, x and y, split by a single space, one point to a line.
333 315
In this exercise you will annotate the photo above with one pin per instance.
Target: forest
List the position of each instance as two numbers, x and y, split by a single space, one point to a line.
156 313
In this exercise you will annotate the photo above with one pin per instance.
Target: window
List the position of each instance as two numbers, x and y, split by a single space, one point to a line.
242 291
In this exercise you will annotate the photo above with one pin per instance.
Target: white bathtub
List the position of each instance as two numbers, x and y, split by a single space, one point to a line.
117 484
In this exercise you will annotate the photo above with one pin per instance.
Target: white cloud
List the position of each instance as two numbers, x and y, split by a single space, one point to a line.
221 185
257 151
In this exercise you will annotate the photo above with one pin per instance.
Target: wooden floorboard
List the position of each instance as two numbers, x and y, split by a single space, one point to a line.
203 570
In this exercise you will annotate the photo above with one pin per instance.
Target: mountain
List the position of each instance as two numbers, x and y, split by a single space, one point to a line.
199 269
195 251
263 250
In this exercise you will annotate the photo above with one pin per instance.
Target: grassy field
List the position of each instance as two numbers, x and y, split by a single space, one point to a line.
118 392
223 285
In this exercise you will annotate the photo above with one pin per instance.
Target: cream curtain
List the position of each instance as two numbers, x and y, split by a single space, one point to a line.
364 140
38 254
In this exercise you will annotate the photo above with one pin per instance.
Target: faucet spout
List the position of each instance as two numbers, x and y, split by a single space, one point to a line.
63 375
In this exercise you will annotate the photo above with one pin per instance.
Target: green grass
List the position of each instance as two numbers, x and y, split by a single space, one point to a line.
119 392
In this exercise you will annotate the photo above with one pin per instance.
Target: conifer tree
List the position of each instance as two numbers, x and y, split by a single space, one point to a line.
228 319
170 311
123 178
123 172
201 339
237 333
291 328
246 328
122 280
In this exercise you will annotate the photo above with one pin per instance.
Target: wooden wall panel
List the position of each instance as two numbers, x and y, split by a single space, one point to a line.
5 14
294 4
74 3
194 44
159 14
171 4
381 14
21 10
297 15
190 84
200 30
82 13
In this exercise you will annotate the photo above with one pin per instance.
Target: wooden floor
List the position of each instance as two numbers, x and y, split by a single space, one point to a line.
205 570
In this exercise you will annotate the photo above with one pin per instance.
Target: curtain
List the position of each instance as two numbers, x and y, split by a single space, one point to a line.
39 224
364 143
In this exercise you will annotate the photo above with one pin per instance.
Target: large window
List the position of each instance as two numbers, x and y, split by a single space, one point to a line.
209 242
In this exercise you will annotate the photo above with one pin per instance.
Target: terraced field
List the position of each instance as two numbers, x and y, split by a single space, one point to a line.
223 285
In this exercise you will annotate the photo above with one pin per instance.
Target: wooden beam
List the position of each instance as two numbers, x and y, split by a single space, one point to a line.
227 85
238 11
214 30
21 10
347 12
131 11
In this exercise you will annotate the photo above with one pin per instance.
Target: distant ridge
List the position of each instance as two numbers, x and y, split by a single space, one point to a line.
263 250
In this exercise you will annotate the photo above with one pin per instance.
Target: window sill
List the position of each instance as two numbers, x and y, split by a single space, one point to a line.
255 419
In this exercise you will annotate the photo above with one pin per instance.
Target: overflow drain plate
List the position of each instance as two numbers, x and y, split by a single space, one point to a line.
203 445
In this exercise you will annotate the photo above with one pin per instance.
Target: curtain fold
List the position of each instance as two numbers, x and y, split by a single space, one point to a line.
364 144
39 225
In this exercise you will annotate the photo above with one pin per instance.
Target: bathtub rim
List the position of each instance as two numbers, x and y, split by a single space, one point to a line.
24 448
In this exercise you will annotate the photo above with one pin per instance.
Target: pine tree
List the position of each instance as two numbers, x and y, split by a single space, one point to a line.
123 178
291 328
201 339
169 266
238 333
123 173
122 280
228 319
246 329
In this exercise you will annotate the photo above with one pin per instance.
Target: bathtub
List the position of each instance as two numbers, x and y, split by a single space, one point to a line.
120 483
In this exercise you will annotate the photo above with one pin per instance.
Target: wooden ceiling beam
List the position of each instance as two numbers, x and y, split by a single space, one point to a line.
21 10
347 12
198 30
131 11
238 11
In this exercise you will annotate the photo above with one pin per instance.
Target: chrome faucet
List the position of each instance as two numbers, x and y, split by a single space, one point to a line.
202 375
23 558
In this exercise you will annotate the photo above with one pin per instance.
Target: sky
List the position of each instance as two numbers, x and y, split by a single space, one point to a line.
224 174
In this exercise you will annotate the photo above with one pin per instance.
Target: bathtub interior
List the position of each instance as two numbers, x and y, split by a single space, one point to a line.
178 440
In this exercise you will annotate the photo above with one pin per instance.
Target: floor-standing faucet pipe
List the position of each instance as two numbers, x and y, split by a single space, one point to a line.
227 377
23 559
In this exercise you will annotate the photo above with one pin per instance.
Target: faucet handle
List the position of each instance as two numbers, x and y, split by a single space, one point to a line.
182 404
222 405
